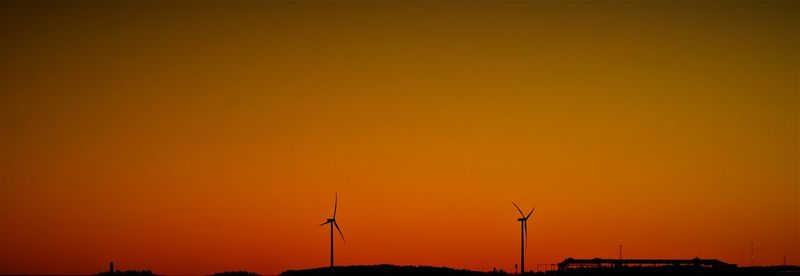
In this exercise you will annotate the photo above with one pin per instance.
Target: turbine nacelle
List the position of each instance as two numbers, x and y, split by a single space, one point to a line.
524 217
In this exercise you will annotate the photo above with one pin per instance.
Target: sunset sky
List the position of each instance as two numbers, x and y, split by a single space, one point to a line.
196 137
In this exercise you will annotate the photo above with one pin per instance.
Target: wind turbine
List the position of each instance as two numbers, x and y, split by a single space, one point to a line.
524 235
332 222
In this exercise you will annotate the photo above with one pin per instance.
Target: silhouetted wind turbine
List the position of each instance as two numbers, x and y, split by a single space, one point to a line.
332 222
524 235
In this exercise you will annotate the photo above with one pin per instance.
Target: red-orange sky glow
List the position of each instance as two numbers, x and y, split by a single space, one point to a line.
197 137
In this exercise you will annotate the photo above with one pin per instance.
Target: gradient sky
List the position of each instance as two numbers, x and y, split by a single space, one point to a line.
196 137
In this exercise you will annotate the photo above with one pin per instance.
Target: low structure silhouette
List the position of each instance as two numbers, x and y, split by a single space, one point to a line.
571 263
658 268
387 270
235 273
127 273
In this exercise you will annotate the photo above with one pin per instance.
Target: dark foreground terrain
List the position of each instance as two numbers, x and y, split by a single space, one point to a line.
392 270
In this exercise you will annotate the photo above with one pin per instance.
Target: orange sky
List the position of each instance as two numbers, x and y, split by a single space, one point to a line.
192 138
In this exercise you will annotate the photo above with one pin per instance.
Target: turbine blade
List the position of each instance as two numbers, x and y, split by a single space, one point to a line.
340 230
325 223
520 211
335 203
529 214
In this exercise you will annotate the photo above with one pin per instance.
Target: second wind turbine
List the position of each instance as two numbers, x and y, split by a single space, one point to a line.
332 222
524 235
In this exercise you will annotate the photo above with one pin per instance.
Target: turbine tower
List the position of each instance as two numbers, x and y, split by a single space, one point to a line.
523 235
332 222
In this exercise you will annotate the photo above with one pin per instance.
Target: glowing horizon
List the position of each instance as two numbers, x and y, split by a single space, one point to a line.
193 138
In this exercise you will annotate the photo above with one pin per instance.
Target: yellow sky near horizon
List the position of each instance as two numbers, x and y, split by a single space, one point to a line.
198 137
